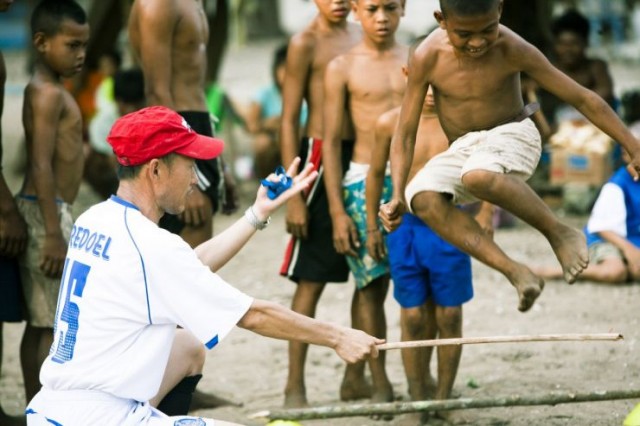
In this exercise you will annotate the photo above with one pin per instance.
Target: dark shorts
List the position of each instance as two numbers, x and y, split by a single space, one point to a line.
11 302
315 258
209 171
424 266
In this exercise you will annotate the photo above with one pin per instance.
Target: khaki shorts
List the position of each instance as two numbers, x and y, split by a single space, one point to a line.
40 291
512 148
600 251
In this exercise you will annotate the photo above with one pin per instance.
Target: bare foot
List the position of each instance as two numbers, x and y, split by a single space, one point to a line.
529 287
351 390
201 400
413 419
380 395
431 386
570 247
295 399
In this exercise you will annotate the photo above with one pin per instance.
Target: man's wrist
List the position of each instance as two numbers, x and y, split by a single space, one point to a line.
253 219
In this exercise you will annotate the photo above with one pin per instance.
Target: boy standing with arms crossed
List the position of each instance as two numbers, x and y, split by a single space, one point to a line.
53 130
367 81
310 259
474 66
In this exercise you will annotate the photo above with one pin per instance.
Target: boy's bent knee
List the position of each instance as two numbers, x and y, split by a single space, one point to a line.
479 181
427 204
414 320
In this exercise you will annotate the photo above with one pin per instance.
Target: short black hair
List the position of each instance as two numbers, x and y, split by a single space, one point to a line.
128 86
571 21
631 106
49 15
467 7
279 58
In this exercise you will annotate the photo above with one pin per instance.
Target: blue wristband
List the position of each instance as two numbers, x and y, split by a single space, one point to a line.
275 188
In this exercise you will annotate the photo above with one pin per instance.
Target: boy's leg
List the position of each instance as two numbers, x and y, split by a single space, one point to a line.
34 349
305 301
449 320
418 323
354 386
461 230
369 311
513 194
611 270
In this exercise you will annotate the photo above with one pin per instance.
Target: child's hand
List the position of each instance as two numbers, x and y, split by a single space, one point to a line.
391 214
634 165
54 253
297 219
13 234
375 244
264 206
345 235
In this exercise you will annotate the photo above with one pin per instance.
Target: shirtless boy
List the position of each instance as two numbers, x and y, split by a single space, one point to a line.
474 66
431 278
169 37
53 130
310 259
365 80
13 239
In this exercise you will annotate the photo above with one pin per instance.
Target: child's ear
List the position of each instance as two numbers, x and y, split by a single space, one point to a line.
405 71
439 18
40 41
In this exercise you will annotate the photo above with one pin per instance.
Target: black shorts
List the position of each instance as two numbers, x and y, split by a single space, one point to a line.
315 259
11 301
209 171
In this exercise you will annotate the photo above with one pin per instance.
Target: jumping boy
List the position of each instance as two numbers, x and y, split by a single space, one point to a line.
53 129
431 278
366 81
310 259
474 66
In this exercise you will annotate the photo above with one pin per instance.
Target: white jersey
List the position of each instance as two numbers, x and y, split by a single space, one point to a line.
126 284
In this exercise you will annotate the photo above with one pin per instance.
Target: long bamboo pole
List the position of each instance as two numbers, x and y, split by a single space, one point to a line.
502 339
352 410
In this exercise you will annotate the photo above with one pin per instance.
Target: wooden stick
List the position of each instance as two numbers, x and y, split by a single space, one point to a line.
501 339
351 410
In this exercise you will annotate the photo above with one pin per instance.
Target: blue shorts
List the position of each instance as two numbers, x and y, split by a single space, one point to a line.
424 266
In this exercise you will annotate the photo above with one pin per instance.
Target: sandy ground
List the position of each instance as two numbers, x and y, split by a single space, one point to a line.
252 369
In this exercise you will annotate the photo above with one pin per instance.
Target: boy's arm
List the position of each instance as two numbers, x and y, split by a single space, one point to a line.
375 180
404 138
298 67
157 20
345 235
47 103
13 233
590 104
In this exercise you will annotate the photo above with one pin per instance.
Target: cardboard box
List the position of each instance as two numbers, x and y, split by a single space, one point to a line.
569 166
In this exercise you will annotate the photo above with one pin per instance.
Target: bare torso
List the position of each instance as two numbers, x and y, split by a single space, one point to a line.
67 150
187 51
375 84
327 45
472 93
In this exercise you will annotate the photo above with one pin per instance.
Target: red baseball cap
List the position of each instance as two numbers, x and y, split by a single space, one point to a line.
156 131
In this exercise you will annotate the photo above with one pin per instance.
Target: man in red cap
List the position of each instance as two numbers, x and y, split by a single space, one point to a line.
127 283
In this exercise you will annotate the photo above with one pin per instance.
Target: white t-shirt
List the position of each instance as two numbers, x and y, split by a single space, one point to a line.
609 213
125 286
